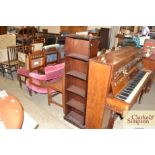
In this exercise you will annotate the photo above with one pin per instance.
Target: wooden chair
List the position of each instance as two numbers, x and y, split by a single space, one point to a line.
42 83
23 54
11 64
28 49
52 55
36 60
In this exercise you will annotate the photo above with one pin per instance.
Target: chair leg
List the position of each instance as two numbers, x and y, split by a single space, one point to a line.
3 71
49 96
30 91
11 74
20 81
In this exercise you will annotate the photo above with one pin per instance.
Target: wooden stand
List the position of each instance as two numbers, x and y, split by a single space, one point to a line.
78 51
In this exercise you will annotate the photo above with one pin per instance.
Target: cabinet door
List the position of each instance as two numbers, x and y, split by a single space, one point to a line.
3 29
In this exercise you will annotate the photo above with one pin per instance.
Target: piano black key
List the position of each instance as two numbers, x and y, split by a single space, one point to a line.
129 89
124 94
136 80
135 83
132 86
122 97
126 91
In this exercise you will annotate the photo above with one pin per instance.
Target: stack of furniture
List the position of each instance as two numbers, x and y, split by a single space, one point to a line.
78 51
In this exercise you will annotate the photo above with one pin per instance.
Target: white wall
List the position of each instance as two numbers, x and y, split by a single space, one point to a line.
93 27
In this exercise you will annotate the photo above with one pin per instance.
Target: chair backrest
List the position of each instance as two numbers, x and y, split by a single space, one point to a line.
36 60
12 53
37 46
52 55
38 82
28 49
54 71
23 53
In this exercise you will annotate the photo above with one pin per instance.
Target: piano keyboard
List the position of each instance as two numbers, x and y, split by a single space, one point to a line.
128 93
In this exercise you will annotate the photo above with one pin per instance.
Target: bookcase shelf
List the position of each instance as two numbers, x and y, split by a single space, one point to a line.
75 118
79 50
76 104
78 56
77 90
77 74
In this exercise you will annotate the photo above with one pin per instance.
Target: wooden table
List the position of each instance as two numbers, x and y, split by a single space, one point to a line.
11 112
58 86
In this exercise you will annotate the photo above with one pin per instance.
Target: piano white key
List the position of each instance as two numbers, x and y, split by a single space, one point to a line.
133 93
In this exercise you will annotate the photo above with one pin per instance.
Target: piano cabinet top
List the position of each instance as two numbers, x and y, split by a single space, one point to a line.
119 58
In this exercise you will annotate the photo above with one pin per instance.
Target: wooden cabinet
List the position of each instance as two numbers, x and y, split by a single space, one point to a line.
3 30
73 29
78 51
104 38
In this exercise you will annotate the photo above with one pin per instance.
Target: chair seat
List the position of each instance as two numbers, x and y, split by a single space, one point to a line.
38 89
23 71
14 62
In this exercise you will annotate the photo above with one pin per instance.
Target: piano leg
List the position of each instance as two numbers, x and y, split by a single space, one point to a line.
112 119
146 89
140 97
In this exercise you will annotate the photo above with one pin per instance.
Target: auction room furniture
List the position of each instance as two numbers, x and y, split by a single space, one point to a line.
11 112
5 41
149 61
3 30
11 64
115 84
104 34
52 55
58 86
78 50
36 60
39 40
37 82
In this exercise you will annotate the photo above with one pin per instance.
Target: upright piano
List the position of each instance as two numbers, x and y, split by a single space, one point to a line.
116 81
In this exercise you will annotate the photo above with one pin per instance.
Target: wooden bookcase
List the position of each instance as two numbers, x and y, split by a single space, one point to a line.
78 51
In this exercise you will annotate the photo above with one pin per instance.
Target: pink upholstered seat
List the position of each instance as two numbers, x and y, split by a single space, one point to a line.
23 71
37 82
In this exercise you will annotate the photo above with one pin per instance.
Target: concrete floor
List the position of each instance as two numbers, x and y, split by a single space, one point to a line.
51 117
